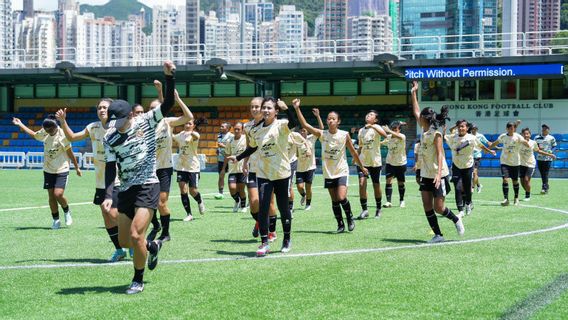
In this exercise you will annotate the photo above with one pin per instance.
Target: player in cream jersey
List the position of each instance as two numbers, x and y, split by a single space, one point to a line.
369 141
188 168
462 145
395 162
56 154
237 180
334 163
510 159
434 183
96 133
270 140
528 161
546 142
295 141
417 160
307 164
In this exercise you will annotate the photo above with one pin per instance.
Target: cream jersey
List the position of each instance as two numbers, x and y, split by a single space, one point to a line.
272 143
253 158
397 150
187 159
97 135
307 154
370 146
164 133
417 155
334 160
527 154
234 148
462 158
295 141
429 166
55 148
511 146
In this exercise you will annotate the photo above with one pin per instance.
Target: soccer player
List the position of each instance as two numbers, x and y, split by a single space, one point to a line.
417 160
130 143
462 145
295 141
56 153
528 161
547 143
477 156
434 182
164 168
510 159
237 179
96 133
188 167
369 139
273 170
223 138
307 164
335 168
396 161
137 110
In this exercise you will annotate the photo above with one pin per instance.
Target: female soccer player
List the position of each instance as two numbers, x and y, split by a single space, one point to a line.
546 142
56 153
417 160
295 141
223 138
396 161
130 145
528 161
164 168
462 145
434 182
96 133
307 164
273 169
510 159
188 167
477 156
335 169
369 138
237 179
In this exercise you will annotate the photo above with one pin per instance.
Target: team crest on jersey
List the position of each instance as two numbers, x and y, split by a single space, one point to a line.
140 133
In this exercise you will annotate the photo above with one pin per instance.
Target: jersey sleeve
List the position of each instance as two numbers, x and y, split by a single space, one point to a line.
154 116
110 155
40 135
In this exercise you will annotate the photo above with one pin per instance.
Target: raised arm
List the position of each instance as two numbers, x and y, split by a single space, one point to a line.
18 122
393 134
378 129
414 98
291 118
187 115
169 71
316 113
158 86
302 120
61 115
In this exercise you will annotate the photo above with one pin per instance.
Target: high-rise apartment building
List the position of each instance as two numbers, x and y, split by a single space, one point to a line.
539 20
368 7
289 27
6 32
168 34
37 39
94 40
192 25
28 8
377 28
335 19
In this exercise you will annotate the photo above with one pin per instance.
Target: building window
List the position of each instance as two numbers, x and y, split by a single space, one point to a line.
509 89
345 87
438 90
528 89
374 87
467 90
45 91
24 91
486 89
292 88
68 91
397 87
554 89
318 88
225 89
199 89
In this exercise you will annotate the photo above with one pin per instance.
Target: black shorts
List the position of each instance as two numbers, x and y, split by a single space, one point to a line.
305 177
100 195
510 171
251 180
191 178
165 177
220 166
526 171
138 196
237 178
55 180
476 163
334 183
427 184
374 172
418 173
396 171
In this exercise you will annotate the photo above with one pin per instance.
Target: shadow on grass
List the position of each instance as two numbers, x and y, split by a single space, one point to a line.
246 254
317 232
413 241
234 241
32 228
96 289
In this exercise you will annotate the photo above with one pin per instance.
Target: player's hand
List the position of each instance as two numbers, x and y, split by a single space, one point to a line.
79 173
296 103
176 95
107 204
17 121
365 171
492 152
158 84
245 168
233 159
316 112
414 88
437 181
169 68
61 114
368 125
282 105
414 169
553 156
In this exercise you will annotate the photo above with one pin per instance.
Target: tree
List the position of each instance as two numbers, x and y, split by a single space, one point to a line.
560 40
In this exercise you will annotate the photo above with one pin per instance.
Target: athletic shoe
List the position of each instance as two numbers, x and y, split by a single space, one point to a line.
378 213
468 209
308 208
505 202
255 230
516 202
219 196
153 254
236 207
165 237
286 246
340 228
135 287
351 225
527 199
402 204
56 224
387 205
437 238
68 218
460 214
479 187
303 201
543 191
263 249
244 209
187 218
153 233
131 252
272 236
364 215
459 227
201 207
118 255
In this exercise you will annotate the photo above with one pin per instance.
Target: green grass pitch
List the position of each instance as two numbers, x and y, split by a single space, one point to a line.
512 262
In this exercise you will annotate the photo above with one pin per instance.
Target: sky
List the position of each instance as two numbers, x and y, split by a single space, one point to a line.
51 5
